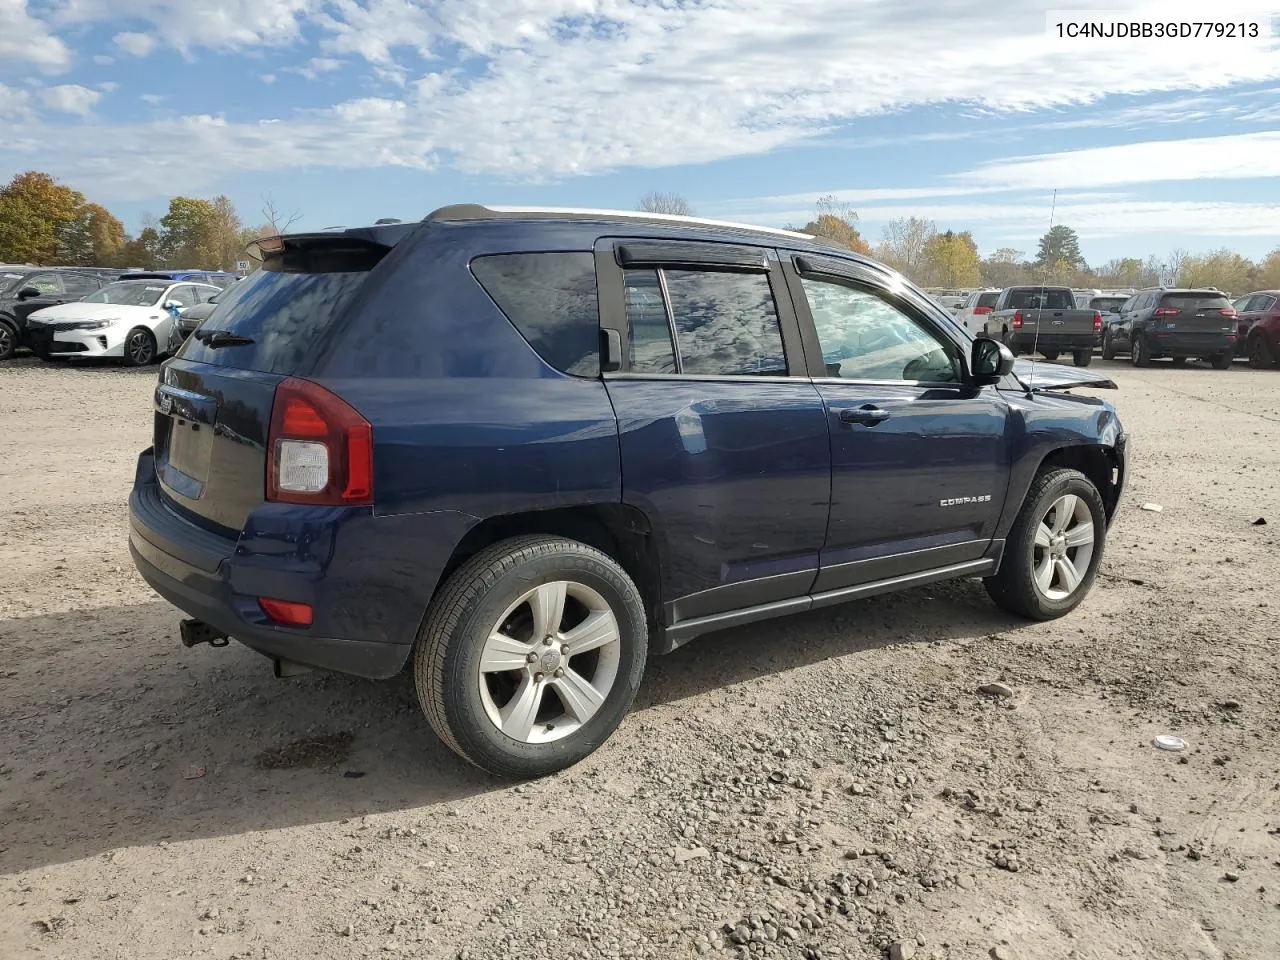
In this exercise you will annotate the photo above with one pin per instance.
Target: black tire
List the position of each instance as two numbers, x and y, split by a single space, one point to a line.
1108 347
1049 355
139 347
1138 353
1179 361
1013 586
1222 361
1007 340
8 340
447 656
1260 356
1082 358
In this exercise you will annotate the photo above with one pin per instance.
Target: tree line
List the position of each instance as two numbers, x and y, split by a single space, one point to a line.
47 223
930 257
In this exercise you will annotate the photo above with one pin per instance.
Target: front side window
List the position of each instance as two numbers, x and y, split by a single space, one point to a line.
46 283
724 323
864 337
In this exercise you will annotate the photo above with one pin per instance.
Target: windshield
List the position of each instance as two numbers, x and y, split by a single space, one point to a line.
129 293
10 282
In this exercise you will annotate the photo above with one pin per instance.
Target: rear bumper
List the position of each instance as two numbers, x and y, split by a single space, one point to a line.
1064 342
1170 344
197 571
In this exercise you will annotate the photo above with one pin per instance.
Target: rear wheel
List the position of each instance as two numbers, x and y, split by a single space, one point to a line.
1053 551
1108 347
531 655
139 347
1082 358
1049 355
8 340
1222 361
1260 357
1138 354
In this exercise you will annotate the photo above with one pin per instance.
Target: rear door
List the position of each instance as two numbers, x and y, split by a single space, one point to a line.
50 293
213 404
723 438
919 460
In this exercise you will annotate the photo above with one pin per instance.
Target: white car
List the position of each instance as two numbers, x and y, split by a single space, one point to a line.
129 319
972 314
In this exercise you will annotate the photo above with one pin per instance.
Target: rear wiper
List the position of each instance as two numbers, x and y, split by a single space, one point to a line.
221 338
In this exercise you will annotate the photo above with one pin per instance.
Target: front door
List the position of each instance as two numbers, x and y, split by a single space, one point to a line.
919 459
723 437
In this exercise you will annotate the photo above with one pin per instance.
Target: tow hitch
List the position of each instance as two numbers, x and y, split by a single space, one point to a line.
196 632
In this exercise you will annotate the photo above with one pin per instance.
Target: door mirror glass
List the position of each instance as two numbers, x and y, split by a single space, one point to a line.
990 361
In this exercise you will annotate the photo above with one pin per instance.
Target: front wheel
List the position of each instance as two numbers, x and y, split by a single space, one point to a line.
1082 358
1108 347
1179 361
1260 357
139 347
8 341
1050 355
1222 361
1138 353
531 655
1052 553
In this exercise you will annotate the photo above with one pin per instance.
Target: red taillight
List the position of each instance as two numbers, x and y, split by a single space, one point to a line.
981 311
287 612
319 449
1017 319
1166 312
1229 311
1097 320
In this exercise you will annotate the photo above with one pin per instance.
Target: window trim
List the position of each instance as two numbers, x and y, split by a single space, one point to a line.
858 277
611 285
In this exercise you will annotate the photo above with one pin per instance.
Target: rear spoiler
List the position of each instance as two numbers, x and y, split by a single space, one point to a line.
368 240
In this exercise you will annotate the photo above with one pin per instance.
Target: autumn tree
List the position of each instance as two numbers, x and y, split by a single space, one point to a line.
1005 267
904 244
952 259
666 203
1060 245
1267 276
38 216
1224 269
837 221
189 233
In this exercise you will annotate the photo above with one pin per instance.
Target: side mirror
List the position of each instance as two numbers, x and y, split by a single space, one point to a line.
28 293
990 361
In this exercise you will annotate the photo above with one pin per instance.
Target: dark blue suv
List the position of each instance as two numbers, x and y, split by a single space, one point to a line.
526 450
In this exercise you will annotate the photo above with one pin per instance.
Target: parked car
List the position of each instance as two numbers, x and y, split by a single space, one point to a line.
528 472
1258 328
188 319
1176 323
1107 303
216 277
975 308
129 319
1044 319
24 290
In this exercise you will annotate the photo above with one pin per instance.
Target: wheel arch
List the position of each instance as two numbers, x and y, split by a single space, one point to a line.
1100 463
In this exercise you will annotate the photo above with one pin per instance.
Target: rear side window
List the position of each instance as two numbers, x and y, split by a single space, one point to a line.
551 300
281 312
79 284
1195 301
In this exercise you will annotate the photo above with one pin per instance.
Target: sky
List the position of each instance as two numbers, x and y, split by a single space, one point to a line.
971 113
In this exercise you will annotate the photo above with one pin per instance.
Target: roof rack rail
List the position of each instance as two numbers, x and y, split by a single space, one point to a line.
477 211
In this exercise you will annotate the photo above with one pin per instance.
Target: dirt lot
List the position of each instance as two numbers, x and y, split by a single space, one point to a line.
825 786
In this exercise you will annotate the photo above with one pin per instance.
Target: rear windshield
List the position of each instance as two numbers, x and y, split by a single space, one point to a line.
1033 298
988 299
281 312
1195 301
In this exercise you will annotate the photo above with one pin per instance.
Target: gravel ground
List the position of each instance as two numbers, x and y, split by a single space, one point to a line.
832 785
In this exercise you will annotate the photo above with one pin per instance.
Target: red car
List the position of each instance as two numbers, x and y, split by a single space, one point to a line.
1258 328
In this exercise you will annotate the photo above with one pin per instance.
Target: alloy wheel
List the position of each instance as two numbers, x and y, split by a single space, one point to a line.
139 349
1063 547
548 664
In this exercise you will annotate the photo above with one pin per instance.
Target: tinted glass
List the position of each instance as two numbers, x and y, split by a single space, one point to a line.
282 313
132 293
10 282
44 282
988 299
650 333
1263 304
1106 304
726 324
551 299
1195 301
79 285
1031 298
184 295
866 338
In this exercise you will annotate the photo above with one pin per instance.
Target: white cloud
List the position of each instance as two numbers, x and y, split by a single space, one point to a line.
135 44
27 39
71 98
108 86
1232 157
155 99
102 60
316 66
267 78
14 103
188 24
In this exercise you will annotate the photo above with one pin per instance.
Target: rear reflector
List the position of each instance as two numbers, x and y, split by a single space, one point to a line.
287 612
1017 319
319 448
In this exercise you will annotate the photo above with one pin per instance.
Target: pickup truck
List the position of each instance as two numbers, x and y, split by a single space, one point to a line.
1044 320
